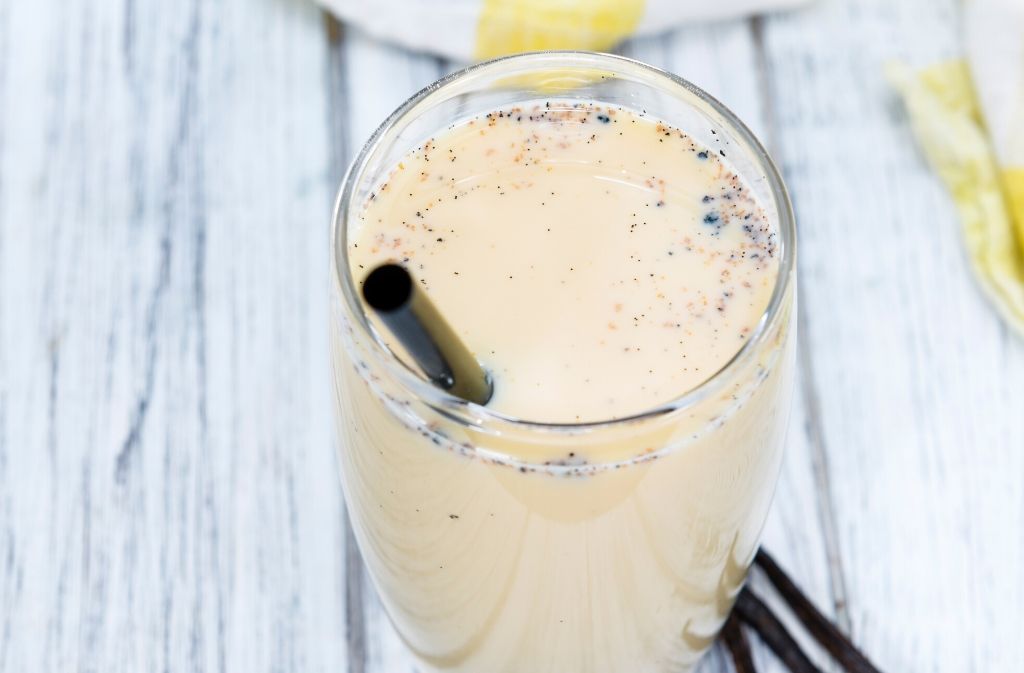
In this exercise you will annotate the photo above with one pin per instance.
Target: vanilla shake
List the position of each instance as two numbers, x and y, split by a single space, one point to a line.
600 264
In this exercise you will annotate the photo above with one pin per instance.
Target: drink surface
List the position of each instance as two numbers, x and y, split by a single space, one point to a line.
597 262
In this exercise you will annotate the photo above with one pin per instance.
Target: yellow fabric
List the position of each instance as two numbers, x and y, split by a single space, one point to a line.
947 122
1013 182
512 26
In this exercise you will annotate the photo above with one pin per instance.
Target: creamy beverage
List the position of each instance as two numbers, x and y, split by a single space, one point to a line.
601 264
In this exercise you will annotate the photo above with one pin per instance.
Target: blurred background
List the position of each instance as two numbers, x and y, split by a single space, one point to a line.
168 490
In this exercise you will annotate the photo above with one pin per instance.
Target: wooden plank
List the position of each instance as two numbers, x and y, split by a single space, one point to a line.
918 382
725 60
167 489
376 78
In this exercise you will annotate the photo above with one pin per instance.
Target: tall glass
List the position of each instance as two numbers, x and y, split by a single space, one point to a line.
490 562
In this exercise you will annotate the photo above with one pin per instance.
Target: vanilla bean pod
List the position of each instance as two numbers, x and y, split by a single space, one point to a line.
738 645
817 625
755 613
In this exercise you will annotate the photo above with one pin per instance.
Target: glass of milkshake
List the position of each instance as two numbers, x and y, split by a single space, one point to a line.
617 250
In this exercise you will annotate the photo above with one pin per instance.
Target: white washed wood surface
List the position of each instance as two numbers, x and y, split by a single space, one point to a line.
168 497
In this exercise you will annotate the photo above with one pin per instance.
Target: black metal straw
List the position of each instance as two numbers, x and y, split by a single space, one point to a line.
435 347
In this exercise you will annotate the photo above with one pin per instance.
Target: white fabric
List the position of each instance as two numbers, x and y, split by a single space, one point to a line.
660 15
994 35
449 27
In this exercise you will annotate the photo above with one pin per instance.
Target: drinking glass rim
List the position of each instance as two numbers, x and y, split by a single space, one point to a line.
442 401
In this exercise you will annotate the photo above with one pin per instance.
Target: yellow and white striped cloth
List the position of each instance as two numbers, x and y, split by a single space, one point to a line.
968 116
477 29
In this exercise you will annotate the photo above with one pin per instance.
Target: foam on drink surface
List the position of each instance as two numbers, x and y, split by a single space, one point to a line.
598 262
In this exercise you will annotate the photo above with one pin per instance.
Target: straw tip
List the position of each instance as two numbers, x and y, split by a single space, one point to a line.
388 287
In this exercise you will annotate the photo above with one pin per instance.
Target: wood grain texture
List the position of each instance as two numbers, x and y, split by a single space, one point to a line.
919 384
168 499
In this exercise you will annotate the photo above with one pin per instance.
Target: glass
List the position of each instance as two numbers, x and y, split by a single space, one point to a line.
489 563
